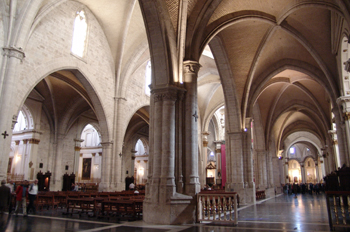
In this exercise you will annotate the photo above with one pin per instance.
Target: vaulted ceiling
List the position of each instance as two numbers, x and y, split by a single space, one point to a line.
282 56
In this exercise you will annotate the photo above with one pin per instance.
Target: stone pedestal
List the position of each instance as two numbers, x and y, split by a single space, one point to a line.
181 209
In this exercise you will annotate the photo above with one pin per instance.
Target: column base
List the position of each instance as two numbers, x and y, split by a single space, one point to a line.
270 192
192 189
180 210
246 195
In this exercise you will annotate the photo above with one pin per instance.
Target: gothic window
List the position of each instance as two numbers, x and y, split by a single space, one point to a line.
140 148
79 34
292 150
148 78
90 136
21 122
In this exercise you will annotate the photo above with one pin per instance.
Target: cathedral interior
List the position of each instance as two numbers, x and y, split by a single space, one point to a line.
179 95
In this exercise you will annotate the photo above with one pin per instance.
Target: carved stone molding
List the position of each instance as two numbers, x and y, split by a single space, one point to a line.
191 66
346 116
14 121
34 141
347 65
13 52
205 143
76 148
106 145
166 94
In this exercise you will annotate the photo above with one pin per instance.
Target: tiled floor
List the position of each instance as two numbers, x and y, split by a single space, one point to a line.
282 213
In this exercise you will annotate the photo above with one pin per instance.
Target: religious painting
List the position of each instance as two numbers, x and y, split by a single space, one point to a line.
86 169
9 165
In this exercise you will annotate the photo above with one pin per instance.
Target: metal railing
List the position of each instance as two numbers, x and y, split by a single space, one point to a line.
217 207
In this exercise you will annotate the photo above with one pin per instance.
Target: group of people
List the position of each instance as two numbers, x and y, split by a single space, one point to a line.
78 187
22 192
303 188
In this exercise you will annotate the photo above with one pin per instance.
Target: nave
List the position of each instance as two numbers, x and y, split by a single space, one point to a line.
280 213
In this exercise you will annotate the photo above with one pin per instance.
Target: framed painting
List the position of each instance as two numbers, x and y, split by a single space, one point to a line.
86 172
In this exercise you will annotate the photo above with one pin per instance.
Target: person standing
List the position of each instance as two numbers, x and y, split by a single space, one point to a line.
5 197
32 192
21 197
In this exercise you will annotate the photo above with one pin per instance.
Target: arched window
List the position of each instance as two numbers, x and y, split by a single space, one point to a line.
292 150
140 148
90 136
79 34
21 122
148 78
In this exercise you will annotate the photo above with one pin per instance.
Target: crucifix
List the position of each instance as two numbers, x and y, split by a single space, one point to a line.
5 134
195 115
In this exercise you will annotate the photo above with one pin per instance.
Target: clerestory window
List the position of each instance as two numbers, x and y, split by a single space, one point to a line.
79 34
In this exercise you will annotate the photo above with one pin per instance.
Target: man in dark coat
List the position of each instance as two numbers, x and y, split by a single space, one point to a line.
5 197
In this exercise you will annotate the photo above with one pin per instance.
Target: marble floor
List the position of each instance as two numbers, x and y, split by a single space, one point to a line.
281 213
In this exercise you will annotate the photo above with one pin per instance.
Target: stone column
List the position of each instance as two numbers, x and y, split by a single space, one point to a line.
77 149
12 58
25 158
179 159
323 169
192 185
162 204
317 172
8 113
234 161
261 159
168 147
205 156
133 152
344 103
286 170
14 167
248 154
33 163
106 166
156 146
219 160
303 176
270 165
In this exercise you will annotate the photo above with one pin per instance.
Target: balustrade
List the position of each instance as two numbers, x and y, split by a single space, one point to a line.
338 209
218 207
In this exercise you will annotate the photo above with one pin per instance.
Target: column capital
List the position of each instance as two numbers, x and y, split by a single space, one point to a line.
34 141
170 93
106 145
191 66
13 52
347 65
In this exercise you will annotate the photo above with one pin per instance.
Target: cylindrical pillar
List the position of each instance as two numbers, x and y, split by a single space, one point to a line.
192 185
